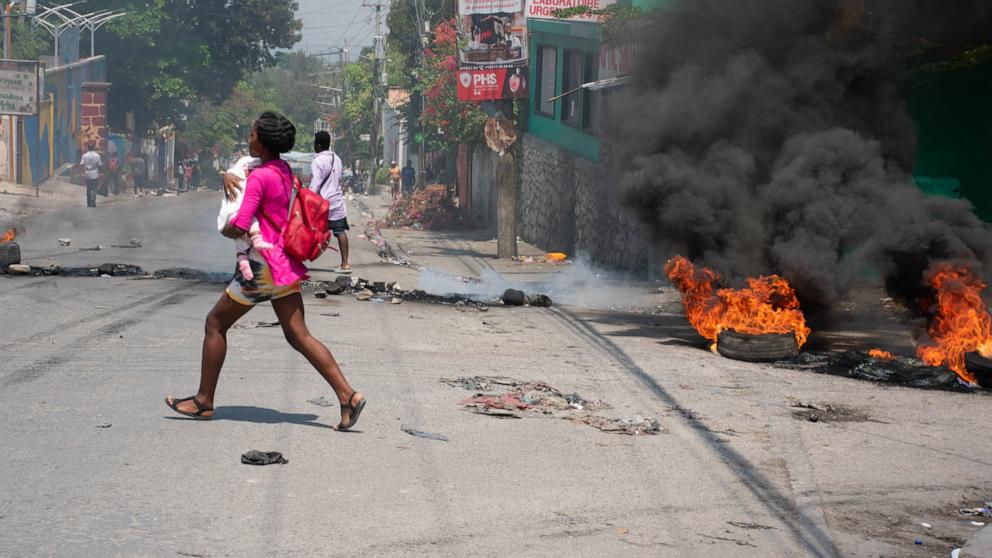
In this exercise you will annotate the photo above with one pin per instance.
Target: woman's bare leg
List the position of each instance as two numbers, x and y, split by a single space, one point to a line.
290 312
222 316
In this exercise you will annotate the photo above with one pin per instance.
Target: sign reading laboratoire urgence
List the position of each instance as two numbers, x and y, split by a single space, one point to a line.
492 62
18 87
545 9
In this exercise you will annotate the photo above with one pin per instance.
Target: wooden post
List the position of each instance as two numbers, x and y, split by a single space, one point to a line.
506 206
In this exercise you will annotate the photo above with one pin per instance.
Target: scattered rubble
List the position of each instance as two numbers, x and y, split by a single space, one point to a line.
18 269
120 270
429 209
91 249
65 241
826 412
636 426
503 397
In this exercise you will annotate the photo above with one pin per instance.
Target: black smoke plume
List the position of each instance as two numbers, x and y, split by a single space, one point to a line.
773 136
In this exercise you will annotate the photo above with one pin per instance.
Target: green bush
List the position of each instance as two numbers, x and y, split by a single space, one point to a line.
381 176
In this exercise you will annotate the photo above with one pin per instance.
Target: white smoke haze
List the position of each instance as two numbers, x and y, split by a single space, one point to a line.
773 136
578 284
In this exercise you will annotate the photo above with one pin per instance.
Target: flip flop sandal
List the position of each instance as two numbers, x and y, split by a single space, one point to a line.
200 409
356 410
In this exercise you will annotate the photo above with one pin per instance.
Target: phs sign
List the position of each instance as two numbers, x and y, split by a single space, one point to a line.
491 83
18 87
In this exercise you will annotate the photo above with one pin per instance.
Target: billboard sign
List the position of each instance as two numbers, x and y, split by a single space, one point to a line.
492 33
545 9
490 84
18 87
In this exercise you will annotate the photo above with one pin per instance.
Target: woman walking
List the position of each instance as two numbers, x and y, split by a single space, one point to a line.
277 279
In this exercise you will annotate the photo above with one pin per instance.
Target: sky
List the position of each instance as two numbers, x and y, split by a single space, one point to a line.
338 23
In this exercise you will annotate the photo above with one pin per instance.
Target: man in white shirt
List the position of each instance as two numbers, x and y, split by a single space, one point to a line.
90 166
325 179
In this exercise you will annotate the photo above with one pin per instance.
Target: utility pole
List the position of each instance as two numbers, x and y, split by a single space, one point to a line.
376 95
423 28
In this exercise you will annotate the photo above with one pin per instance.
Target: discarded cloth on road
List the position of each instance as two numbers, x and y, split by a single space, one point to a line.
503 397
255 457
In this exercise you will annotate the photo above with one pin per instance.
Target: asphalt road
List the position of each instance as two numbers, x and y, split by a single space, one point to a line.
95 465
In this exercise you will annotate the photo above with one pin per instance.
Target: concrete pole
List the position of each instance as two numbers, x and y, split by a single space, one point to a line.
506 206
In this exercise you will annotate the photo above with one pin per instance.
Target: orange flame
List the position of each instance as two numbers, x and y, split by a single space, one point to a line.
768 305
961 324
881 355
8 236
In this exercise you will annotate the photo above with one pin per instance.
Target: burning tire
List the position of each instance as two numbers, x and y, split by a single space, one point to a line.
10 253
757 348
981 367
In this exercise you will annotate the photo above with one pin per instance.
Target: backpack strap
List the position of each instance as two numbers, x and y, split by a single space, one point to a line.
294 188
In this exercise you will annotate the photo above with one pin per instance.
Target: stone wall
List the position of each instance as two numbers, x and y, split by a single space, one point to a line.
568 203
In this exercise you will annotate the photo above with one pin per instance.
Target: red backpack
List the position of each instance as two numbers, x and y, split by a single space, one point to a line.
306 236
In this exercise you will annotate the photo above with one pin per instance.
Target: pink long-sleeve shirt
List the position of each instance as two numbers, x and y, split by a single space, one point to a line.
268 189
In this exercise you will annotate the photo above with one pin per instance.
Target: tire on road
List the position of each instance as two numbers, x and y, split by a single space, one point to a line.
757 348
10 253
981 367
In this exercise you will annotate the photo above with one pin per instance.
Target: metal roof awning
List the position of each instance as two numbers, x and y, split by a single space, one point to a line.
594 86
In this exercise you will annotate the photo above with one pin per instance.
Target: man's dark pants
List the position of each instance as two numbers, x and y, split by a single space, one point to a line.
91 185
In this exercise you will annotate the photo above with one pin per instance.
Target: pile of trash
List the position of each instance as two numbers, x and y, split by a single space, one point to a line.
428 209
553 258
502 397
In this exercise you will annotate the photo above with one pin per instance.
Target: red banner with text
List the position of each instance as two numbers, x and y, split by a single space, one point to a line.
489 84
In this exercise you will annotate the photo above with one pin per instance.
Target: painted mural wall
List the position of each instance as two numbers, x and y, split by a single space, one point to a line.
54 138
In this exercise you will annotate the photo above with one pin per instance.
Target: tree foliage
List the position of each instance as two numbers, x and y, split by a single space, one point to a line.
446 120
283 88
168 53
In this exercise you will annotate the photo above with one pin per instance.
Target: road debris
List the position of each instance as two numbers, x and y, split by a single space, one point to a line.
91 249
396 300
330 314
986 511
18 269
104 425
364 294
826 412
255 325
65 241
322 402
120 270
635 426
503 397
255 457
421 434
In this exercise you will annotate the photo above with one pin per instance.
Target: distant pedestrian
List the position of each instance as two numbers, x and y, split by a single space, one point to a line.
89 166
114 172
181 177
326 171
194 174
277 277
139 170
409 176
188 175
394 180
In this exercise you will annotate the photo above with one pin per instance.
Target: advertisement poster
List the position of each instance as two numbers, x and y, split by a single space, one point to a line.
18 87
487 84
491 33
545 9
